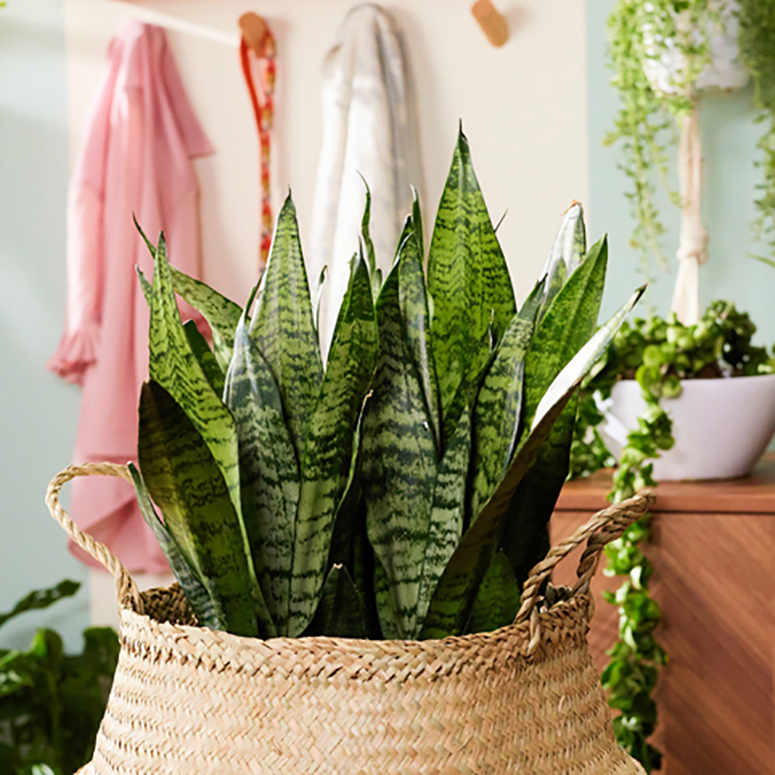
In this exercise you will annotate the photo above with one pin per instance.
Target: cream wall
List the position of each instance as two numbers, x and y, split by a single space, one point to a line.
524 109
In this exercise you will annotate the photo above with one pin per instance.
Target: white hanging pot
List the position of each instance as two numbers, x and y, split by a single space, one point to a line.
666 63
721 427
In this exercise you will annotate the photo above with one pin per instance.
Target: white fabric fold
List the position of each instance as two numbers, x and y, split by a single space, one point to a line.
369 127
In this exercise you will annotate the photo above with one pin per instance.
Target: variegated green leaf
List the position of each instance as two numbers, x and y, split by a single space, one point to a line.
184 480
284 329
205 357
398 469
221 313
327 456
499 407
447 514
566 255
453 599
566 326
338 614
174 366
269 473
497 601
146 286
192 586
468 279
414 312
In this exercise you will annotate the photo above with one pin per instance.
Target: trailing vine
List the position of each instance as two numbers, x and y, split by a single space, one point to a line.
658 353
643 35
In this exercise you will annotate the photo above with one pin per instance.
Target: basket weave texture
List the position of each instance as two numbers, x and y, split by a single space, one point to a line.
524 699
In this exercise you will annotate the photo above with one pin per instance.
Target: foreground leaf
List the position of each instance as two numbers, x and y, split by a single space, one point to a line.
566 255
338 613
185 482
497 601
453 599
398 468
204 356
193 588
326 463
567 325
468 279
447 514
283 326
269 473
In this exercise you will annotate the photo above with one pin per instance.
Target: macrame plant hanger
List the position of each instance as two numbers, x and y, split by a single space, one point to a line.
258 54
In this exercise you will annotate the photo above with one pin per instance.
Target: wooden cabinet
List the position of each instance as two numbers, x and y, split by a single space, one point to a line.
714 551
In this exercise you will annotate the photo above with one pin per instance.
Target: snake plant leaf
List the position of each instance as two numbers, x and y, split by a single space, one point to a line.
269 472
193 588
389 624
567 325
497 601
499 407
186 483
371 257
338 614
145 285
327 458
221 313
453 599
566 255
468 280
205 357
398 469
283 326
414 312
173 365
40 599
447 513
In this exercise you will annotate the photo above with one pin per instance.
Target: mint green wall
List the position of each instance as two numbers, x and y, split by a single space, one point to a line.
729 140
38 412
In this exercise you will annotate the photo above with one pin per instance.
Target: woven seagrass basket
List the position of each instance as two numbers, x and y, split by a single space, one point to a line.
524 699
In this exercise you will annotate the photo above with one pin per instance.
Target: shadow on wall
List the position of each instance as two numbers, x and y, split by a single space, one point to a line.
38 414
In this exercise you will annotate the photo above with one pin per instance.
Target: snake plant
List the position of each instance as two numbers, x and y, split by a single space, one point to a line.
404 488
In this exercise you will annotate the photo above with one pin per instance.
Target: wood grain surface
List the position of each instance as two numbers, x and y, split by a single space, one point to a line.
715 581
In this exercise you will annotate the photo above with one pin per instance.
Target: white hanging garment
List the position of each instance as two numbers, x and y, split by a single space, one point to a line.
369 127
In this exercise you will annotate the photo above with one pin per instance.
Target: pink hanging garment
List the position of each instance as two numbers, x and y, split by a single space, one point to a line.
140 136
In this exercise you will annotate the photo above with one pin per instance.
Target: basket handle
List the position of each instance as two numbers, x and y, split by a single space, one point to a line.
606 526
125 586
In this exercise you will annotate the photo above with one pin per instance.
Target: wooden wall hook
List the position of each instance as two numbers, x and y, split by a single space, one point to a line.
492 22
254 29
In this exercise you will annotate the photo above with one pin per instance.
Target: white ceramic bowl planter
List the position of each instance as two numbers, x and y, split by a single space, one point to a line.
721 427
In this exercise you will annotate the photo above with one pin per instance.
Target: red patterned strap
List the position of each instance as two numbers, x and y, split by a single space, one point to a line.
262 100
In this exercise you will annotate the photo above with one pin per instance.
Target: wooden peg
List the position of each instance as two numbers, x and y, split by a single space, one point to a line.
492 22
254 29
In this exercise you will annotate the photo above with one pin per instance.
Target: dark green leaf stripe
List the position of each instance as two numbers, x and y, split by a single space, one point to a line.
566 255
447 514
453 599
283 326
327 459
414 312
338 614
184 480
174 366
205 357
221 313
467 276
193 588
497 601
398 464
269 473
